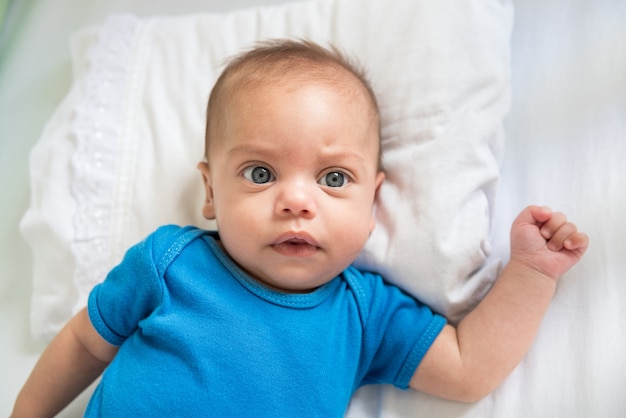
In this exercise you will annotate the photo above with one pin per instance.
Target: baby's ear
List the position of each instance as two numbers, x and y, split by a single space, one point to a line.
208 210
380 177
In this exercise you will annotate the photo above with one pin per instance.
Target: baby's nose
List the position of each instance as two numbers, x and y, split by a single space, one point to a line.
296 198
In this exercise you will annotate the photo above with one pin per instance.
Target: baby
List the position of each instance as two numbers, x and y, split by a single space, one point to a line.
268 317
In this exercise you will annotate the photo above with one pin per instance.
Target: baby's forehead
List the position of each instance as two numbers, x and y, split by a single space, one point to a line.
290 78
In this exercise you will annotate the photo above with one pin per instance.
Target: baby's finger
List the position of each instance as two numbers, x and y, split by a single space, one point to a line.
561 235
536 215
577 241
549 228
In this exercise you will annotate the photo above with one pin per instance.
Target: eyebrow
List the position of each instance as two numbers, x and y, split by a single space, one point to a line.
248 149
265 151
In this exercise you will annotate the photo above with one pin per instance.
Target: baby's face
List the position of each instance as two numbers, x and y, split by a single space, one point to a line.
292 181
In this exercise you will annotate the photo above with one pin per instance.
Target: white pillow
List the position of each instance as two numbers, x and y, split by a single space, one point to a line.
118 158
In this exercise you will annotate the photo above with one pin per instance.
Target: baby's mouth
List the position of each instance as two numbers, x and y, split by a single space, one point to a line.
296 245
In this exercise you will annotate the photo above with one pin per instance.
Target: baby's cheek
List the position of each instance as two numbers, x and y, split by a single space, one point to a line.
356 234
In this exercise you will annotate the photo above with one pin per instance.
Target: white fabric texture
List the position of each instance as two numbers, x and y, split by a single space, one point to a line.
126 140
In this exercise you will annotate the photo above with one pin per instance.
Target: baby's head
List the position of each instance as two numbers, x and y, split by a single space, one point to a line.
292 163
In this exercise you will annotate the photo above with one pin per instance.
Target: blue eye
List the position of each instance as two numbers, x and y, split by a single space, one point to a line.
334 179
258 174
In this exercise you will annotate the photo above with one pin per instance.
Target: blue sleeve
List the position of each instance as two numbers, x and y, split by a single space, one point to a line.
130 293
399 330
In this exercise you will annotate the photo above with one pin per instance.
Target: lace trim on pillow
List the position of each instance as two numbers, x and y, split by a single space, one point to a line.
96 127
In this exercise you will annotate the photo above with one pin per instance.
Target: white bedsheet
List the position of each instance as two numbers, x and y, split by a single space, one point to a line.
565 147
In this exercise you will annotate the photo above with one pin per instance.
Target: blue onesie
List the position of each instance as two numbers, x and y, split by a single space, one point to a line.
199 337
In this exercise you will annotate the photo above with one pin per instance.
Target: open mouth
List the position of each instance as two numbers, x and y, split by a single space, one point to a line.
296 245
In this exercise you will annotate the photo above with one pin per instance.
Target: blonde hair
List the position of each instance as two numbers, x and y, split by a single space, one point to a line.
284 61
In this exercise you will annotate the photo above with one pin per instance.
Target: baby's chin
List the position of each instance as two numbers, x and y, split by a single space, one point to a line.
293 283
292 286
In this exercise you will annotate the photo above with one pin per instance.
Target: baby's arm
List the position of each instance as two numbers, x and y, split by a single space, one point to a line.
74 359
469 362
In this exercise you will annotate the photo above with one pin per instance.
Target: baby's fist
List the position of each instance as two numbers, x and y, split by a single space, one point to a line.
546 241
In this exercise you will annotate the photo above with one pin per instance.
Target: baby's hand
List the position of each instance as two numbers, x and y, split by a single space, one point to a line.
545 241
